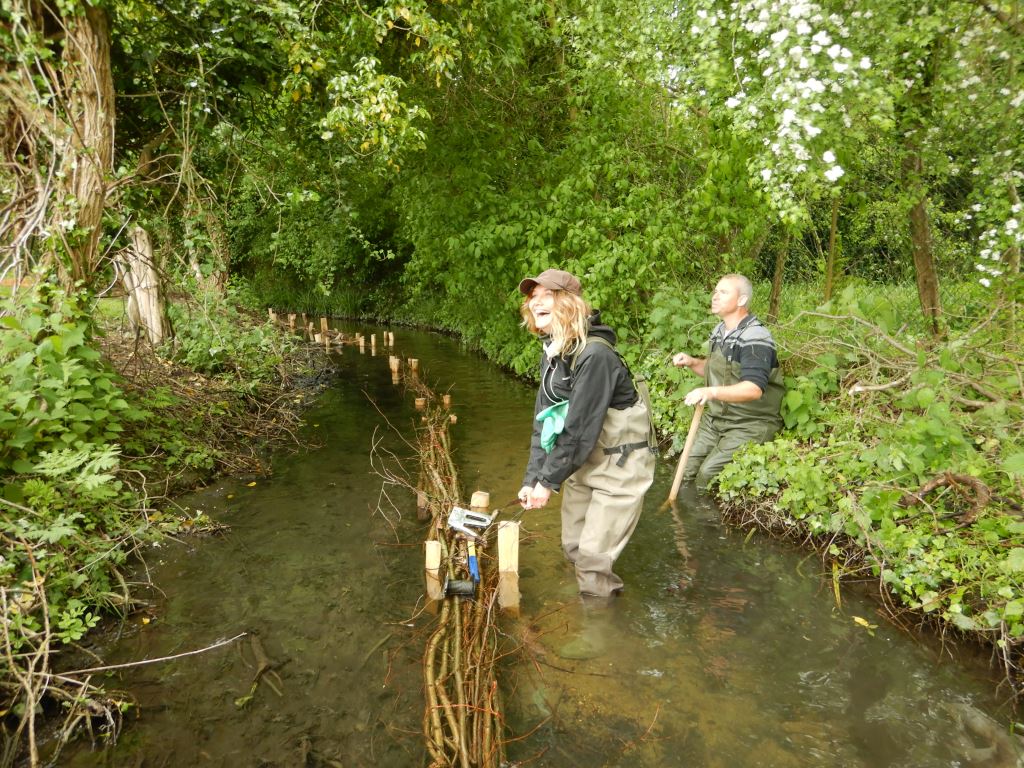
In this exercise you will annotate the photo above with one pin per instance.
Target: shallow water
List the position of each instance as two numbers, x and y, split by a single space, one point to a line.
724 650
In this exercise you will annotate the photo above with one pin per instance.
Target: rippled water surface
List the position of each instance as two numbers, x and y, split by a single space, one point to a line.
725 650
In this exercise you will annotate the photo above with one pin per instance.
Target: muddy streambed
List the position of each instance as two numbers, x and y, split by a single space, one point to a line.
724 651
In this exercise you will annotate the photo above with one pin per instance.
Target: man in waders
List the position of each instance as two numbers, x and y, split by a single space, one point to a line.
743 386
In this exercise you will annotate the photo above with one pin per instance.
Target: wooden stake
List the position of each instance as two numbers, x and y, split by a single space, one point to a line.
414 364
452 418
421 403
323 325
508 566
480 500
446 400
432 567
422 507
273 314
291 321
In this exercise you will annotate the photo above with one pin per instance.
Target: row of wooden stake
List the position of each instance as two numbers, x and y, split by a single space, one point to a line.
462 721
329 337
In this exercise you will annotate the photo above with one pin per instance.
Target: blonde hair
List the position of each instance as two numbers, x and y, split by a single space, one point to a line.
570 321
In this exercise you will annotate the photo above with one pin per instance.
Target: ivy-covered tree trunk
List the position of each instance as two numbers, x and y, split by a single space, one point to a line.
921 243
91 118
830 259
780 267
58 135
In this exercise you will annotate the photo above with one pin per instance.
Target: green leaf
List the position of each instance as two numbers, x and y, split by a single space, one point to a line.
925 397
1014 562
1014 464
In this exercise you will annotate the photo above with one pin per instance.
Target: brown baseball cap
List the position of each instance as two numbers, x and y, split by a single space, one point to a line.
553 280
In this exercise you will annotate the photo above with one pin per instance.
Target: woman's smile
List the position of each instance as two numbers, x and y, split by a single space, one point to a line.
542 301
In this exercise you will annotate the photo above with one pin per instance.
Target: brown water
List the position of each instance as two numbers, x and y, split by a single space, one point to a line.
724 650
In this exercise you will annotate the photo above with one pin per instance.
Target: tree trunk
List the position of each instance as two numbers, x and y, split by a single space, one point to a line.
830 262
780 266
91 113
141 278
921 243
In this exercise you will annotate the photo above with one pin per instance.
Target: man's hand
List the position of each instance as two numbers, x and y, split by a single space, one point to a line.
701 395
524 496
683 360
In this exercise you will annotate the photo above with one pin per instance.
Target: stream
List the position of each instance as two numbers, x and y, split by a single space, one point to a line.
725 650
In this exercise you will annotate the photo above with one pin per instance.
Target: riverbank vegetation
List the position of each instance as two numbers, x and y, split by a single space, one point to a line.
412 162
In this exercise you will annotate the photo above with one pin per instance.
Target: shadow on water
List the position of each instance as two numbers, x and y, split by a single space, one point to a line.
723 651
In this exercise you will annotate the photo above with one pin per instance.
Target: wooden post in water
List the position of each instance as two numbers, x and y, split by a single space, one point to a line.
508 566
446 400
414 365
373 344
362 343
291 322
309 330
422 507
432 568
480 500
421 403
323 326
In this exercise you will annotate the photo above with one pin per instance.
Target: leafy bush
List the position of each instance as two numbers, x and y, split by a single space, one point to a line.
212 338
55 392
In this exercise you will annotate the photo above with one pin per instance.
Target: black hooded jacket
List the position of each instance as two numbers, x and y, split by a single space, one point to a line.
598 381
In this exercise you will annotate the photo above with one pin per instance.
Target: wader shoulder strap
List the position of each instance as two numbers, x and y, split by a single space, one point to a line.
640 384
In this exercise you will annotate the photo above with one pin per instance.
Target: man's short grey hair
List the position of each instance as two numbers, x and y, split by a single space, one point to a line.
746 288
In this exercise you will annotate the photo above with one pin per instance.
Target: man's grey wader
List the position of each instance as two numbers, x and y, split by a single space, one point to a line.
726 427
602 500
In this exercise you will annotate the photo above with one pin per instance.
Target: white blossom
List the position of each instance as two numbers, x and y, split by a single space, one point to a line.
833 173
829 156
766 173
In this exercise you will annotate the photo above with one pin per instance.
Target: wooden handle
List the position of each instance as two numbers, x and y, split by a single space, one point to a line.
690 437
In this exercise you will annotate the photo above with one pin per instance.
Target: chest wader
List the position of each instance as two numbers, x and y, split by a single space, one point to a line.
722 430
602 500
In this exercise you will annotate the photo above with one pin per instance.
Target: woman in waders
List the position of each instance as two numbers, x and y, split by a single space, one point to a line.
592 434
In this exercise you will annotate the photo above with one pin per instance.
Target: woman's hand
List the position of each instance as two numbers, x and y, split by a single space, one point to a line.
534 497
539 496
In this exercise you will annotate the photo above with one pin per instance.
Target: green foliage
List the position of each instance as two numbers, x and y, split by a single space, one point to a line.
803 409
212 338
56 394
844 470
